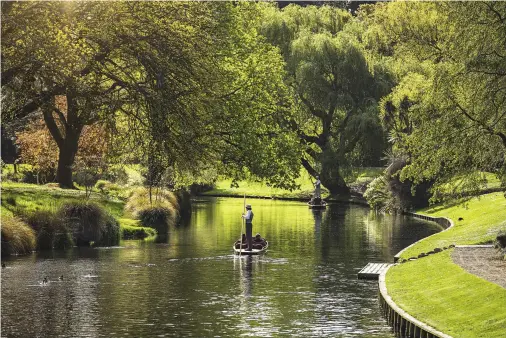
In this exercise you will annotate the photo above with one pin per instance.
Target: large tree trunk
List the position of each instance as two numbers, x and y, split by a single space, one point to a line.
65 161
332 180
330 177
66 134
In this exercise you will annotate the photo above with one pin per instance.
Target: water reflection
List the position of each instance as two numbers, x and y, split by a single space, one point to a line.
193 285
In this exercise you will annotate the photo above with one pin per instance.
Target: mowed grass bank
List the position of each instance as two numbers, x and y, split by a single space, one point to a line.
440 293
305 181
481 219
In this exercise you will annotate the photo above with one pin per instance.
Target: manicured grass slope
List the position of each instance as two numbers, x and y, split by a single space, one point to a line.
483 216
443 295
438 292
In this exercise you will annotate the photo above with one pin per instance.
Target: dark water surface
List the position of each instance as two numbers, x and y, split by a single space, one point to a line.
306 285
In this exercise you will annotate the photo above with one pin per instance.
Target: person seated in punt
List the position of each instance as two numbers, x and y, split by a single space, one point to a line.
244 244
259 242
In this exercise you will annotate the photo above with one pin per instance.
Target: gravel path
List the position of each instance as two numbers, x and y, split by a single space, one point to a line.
482 262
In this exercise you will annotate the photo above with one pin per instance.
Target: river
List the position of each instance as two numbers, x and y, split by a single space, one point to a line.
193 286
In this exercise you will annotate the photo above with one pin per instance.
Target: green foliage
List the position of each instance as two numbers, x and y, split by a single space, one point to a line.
158 208
335 92
116 174
141 199
89 223
50 229
446 111
130 229
378 195
110 232
17 237
158 218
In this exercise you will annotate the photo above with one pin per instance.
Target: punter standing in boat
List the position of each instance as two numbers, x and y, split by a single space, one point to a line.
248 217
317 185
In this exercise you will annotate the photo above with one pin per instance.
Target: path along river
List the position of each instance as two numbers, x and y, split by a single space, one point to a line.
192 286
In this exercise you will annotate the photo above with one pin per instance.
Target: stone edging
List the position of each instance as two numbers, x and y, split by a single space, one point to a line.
401 321
446 223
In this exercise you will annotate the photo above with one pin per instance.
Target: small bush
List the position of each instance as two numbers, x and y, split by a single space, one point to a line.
10 200
139 200
501 239
158 218
89 223
378 195
100 185
107 187
50 230
110 232
17 238
131 230
116 174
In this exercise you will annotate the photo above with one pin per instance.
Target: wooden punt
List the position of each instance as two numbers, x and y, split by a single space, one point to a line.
252 252
323 205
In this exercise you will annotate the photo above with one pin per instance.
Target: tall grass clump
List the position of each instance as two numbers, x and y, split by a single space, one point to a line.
50 230
158 212
89 223
16 236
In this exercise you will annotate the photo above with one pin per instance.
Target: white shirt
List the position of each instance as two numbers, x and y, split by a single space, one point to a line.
248 217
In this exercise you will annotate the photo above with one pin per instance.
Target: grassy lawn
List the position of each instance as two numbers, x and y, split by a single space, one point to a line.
440 293
443 295
305 181
483 216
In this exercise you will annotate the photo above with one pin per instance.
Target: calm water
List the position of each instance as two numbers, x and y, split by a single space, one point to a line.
306 284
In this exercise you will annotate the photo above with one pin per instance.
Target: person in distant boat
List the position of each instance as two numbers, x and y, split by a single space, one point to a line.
249 226
317 190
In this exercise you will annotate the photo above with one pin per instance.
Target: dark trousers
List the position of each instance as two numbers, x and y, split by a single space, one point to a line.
249 235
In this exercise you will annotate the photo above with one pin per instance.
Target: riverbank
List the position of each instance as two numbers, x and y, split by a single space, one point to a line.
359 177
438 292
21 199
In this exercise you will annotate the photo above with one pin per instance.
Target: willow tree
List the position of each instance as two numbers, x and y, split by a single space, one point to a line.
450 63
334 89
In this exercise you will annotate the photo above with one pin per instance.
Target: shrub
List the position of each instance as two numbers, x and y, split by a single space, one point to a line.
130 230
158 218
501 239
50 230
89 223
116 174
110 232
11 200
17 238
159 213
107 187
378 195
101 184
139 200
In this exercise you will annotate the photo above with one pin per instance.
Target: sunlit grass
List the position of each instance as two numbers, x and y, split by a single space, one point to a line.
18 238
440 293
305 181
443 295
132 229
482 218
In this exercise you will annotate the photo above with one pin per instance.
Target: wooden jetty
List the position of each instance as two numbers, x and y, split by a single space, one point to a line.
372 270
